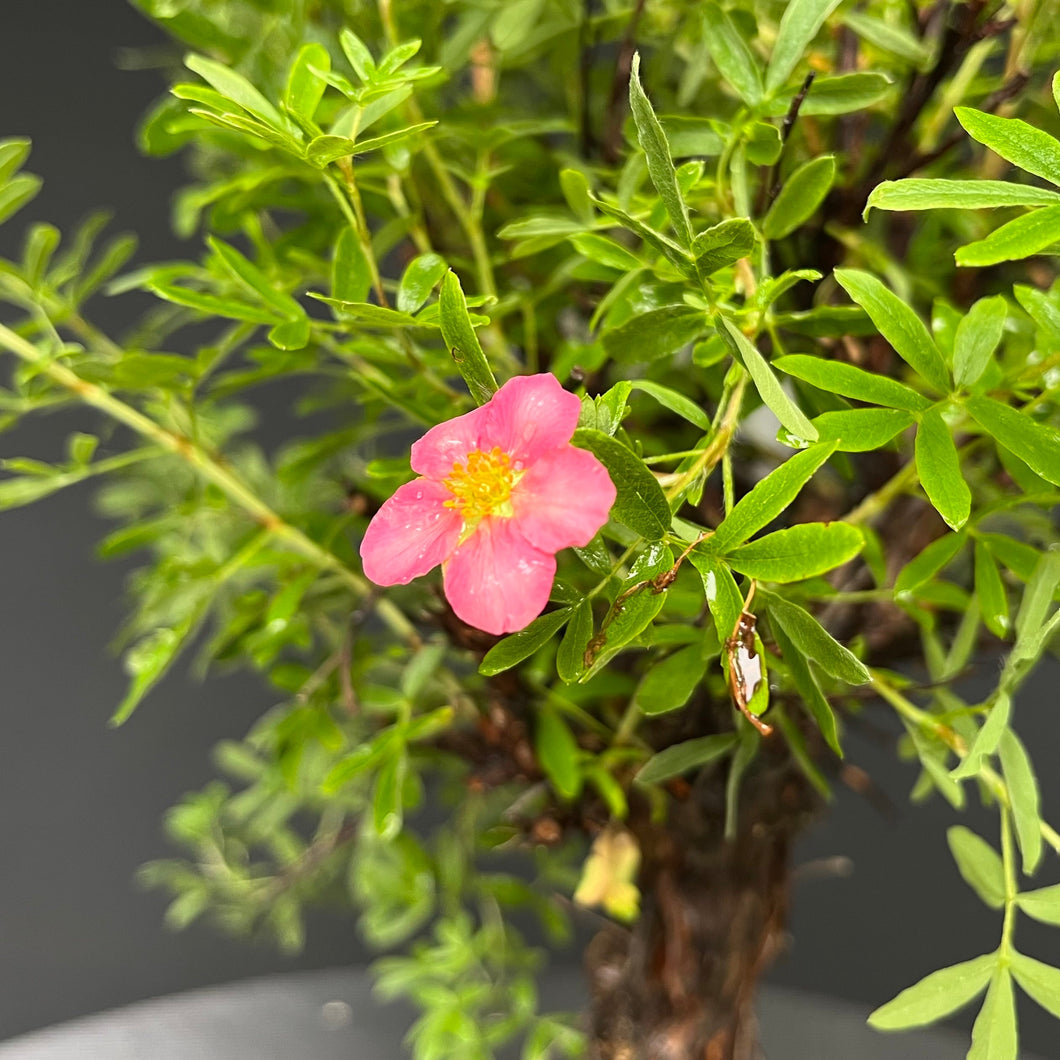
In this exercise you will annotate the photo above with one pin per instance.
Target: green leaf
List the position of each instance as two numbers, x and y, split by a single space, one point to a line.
898 324
147 662
1032 149
933 755
838 378
41 243
1043 310
1038 598
212 306
368 312
770 391
685 407
1035 444
570 659
323 150
235 87
16 193
13 154
291 334
987 738
636 612
1025 801
994 1034
815 642
939 468
936 995
254 281
800 752
979 864
669 684
769 498
506 653
800 196
656 333
840 94
605 251
1042 904
1039 981
656 150
676 255
746 750
798 26
542 224
419 279
888 37
249 127
81 447
380 106
1018 239
990 592
641 504
801 551
575 185
762 145
116 253
978 335
683 757
723 244
351 277
933 558
17 492
719 587
558 753
861 430
462 342
611 407
388 795
730 53
358 55
928 194
809 690
305 88
691 136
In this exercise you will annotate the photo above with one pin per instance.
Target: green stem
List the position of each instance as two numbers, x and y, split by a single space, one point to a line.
927 721
476 240
877 502
206 466
364 235
719 444
1008 857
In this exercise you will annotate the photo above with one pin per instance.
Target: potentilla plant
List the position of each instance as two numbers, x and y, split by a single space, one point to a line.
726 340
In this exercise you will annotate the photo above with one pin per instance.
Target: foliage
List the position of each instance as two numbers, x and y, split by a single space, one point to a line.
400 205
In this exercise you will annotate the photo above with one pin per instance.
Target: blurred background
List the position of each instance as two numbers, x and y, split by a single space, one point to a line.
81 804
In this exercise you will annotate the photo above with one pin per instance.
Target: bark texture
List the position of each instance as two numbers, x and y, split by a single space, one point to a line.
681 985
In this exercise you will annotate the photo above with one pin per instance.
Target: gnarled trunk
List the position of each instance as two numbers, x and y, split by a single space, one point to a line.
681 985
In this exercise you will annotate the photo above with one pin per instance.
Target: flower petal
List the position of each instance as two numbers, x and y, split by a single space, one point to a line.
563 499
411 534
496 580
442 446
529 416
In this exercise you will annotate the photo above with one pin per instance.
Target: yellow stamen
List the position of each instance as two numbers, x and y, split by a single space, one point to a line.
482 485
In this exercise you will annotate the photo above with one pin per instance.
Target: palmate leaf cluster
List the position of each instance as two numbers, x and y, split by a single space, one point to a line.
848 426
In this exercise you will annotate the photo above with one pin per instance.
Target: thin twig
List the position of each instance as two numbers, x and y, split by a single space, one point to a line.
771 185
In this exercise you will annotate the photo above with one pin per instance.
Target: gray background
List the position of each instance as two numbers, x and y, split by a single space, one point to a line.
80 804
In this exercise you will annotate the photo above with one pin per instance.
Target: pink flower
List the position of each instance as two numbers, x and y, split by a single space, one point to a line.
502 490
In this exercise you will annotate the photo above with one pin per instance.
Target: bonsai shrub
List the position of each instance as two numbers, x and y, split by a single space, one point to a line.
711 351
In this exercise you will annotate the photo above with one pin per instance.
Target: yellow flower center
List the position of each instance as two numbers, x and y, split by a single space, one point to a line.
482 485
